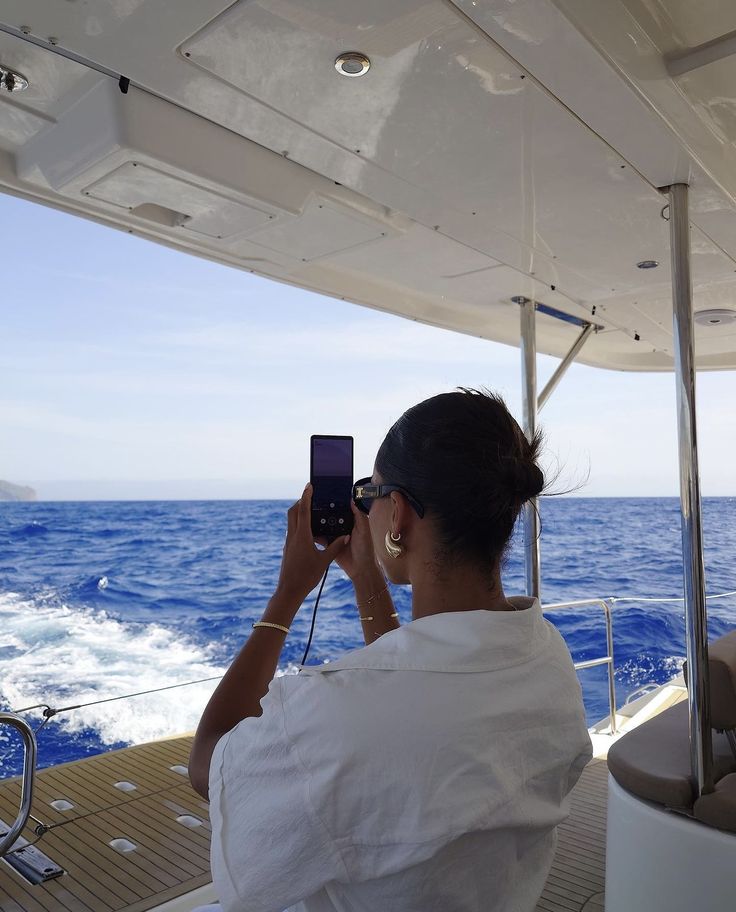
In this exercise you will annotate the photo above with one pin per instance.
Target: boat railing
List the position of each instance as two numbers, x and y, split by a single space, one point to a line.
607 605
29 772
607 659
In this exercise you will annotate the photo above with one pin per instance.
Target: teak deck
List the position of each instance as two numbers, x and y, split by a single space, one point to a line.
171 859
578 875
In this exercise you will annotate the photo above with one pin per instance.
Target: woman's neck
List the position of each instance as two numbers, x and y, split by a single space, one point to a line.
459 589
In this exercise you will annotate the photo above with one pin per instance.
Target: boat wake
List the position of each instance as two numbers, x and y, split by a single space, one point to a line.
60 655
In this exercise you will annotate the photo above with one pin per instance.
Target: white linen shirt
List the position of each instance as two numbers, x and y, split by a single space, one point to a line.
425 772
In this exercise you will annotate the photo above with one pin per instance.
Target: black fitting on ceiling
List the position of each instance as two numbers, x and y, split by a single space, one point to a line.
124 84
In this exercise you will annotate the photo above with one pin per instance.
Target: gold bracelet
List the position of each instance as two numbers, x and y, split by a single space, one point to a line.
371 618
274 626
367 602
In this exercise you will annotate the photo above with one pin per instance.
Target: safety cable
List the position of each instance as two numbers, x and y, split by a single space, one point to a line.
49 712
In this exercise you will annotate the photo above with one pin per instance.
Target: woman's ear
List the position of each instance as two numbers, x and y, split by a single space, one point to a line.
399 511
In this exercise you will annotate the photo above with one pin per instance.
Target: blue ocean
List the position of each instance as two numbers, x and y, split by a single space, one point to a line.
104 599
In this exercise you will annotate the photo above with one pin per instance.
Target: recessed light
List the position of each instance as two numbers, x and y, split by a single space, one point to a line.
717 316
647 264
10 81
352 63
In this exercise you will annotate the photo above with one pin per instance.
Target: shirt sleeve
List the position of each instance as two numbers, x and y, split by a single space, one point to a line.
269 848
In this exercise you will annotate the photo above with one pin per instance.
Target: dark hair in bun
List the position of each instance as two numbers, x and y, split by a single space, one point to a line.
465 458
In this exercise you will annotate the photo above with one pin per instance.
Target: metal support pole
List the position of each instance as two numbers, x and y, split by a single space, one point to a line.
701 744
529 395
563 366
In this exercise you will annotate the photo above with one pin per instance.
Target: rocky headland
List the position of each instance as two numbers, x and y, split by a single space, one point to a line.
10 491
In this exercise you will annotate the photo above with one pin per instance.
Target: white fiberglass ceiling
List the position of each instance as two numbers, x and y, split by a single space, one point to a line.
465 168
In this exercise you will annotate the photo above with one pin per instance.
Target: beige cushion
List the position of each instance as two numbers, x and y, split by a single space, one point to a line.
722 670
718 809
653 760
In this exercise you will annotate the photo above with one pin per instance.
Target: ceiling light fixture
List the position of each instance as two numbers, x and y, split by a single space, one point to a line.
352 63
647 264
10 81
717 316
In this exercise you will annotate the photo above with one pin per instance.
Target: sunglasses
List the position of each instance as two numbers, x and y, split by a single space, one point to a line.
364 493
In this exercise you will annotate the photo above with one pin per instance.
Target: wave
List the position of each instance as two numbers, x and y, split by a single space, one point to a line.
29 530
56 654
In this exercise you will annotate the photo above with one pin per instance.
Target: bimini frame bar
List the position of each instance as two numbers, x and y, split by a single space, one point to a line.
564 364
529 396
532 404
701 744
686 61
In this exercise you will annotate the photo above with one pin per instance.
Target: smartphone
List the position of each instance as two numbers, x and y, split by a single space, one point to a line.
331 475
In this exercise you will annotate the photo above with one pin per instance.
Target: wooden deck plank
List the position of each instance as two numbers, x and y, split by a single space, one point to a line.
93 856
200 881
577 877
83 868
67 900
19 892
90 840
186 861
170 859
153 865
153 813
8 904
154 774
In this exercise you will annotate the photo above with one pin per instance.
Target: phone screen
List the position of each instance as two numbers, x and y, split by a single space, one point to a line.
332 483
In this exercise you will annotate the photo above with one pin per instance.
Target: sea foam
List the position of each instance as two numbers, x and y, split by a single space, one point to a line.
60 655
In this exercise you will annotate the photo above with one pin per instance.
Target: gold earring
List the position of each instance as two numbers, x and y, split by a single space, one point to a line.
393 549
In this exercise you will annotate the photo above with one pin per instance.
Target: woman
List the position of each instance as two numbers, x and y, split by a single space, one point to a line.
429 769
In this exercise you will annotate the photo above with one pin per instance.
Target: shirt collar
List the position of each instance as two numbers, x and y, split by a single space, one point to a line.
455 641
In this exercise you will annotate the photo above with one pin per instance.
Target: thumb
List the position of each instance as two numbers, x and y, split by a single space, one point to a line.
332 550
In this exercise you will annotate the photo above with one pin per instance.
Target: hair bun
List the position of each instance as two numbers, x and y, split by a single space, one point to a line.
524 478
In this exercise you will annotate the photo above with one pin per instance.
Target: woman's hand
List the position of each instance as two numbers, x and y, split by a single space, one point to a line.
303 564
358 560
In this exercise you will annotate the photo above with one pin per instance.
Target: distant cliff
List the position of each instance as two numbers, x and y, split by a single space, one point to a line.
10 491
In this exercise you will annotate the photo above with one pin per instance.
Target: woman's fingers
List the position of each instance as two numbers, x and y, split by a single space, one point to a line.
305 507
331 551
291 515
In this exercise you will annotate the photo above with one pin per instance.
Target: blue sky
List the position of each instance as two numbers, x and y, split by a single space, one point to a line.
131 370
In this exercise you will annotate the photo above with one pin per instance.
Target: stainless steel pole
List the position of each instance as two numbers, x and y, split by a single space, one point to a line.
529 395
701 744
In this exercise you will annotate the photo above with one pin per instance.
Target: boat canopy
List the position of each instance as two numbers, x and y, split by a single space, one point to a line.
468 156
